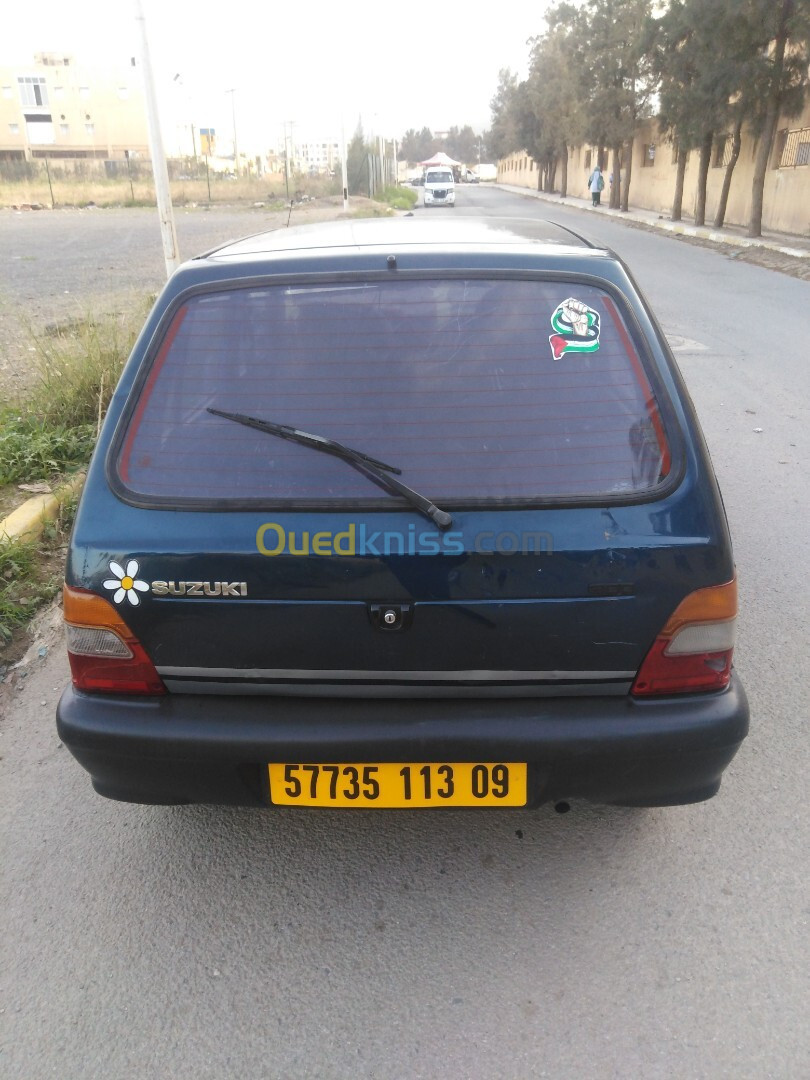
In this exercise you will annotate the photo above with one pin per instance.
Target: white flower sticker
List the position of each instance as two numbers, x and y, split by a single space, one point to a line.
125 583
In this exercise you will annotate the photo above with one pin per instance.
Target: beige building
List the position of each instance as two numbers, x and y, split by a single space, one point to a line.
315 156
652 184
56 107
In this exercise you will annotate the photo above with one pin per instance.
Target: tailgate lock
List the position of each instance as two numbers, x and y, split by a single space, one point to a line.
390 616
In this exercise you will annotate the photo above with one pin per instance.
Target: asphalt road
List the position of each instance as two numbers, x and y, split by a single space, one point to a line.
606 943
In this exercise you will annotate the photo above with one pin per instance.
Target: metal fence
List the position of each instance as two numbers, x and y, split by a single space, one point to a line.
77 182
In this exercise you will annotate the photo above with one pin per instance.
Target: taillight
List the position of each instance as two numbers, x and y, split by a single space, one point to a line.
693 651
105 656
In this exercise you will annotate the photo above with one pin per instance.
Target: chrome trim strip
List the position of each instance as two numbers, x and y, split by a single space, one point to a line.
344 675
400 691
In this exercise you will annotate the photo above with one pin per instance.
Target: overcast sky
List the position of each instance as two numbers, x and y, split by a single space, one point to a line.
435 64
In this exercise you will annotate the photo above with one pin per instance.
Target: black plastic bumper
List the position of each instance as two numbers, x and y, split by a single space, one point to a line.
184 748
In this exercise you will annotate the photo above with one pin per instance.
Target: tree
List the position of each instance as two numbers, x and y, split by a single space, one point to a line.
696 82
416 146
722 64
503 135
357 153
617 78
462 144
550 111
781 79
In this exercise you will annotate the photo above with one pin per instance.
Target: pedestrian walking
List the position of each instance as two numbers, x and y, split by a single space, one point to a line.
596 185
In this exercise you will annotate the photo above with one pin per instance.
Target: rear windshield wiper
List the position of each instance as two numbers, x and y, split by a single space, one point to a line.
374 469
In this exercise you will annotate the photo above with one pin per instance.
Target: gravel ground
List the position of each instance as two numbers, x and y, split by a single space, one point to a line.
62 264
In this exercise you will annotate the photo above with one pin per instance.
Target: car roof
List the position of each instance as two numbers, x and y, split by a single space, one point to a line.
413 232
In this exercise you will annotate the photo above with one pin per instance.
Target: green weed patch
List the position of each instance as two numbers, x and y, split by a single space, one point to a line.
398 198
53 428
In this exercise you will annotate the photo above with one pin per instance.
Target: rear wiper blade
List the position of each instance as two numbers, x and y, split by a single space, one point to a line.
372 467
284 431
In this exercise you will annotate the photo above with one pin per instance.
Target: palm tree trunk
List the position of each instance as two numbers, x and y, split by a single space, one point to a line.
564 171
720 216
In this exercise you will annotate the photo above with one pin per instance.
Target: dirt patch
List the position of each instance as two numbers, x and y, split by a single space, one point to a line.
10 499
29 646
25 638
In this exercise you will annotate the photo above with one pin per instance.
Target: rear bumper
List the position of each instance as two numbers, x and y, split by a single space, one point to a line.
195 748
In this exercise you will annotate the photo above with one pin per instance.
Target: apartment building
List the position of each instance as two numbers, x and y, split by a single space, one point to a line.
316 156
58 107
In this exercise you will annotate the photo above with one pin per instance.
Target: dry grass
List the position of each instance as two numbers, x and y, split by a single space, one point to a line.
53 427
77 191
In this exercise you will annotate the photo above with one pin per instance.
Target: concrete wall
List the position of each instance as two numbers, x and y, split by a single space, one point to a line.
652 185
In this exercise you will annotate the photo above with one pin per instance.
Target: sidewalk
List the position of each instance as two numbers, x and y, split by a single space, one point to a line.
796 246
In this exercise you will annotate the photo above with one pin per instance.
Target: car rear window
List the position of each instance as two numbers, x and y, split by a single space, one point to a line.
476 389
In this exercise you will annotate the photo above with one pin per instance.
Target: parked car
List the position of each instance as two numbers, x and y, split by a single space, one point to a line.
385 514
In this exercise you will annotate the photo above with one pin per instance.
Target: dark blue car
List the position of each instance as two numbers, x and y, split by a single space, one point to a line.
397 514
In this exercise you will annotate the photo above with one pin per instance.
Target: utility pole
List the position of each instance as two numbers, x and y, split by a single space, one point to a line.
171 252
232 92
344 166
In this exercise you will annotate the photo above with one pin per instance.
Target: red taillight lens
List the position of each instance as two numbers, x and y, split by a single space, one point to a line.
693 651
105 656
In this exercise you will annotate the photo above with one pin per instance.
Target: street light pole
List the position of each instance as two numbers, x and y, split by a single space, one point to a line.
171 252
232 92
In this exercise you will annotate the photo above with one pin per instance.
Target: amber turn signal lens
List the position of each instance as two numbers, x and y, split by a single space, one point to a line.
97 663
693 651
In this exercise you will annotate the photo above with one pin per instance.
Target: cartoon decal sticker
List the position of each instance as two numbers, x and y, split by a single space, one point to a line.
126 583
577 329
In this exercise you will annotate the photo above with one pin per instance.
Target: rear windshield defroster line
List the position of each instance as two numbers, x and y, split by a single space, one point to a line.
461 381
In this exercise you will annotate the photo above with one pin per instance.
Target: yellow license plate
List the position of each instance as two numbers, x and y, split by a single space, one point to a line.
400 784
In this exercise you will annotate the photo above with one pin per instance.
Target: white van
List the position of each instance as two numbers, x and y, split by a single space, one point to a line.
440 188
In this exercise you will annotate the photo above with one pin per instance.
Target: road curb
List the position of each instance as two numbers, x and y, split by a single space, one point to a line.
28 520
678 228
